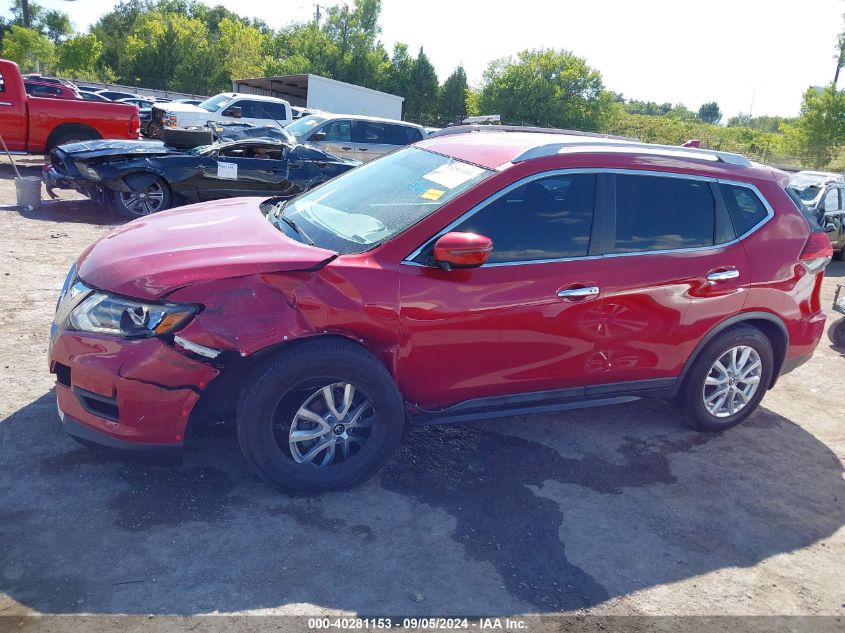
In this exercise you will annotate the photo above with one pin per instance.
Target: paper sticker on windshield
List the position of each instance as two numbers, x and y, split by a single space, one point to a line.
453 174
227 170
432 194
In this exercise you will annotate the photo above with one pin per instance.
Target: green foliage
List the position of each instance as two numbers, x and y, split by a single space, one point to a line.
709 112
421 100
453 105
56 26
818 134
78 57
545 87
28 48
647 107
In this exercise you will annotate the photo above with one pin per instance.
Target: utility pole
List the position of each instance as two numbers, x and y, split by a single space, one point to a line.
317 14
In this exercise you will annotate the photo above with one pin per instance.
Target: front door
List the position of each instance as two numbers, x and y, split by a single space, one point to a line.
336 139
672 271
523 322
243 171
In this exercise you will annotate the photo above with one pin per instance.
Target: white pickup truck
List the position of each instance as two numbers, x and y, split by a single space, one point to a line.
227 107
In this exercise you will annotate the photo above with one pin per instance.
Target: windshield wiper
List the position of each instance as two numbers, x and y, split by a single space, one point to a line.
279 214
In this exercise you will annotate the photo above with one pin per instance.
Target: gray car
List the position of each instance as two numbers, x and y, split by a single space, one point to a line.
823 195
354 136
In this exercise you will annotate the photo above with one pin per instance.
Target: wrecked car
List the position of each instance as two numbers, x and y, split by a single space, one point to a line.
141 177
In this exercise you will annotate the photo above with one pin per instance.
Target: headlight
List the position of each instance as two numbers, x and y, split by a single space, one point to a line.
105 314
86 171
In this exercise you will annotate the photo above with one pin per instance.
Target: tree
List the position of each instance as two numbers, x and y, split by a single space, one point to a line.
421 100
56 25
239 50
710 113
79 56
840 56
545 87
453 101
740 120
818 134
28 48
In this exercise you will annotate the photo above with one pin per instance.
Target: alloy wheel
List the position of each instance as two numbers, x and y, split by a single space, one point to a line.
331 425
732 381
143 202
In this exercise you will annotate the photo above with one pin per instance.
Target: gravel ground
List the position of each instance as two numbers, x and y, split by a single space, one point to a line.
613 511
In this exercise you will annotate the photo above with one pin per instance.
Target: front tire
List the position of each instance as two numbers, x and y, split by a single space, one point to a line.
148 199
321 416
727 380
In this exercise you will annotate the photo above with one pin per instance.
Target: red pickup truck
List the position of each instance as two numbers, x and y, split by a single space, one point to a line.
38 124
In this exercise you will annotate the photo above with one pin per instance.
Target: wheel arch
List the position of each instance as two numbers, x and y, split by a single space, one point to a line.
64 129
772 327
225 389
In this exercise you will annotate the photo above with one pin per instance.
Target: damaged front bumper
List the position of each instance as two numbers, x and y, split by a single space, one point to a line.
54 179
127 394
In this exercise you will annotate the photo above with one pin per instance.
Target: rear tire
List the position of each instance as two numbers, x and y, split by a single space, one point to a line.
727 380
297 424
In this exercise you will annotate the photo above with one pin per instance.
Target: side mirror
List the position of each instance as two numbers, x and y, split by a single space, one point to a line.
318 136
235 112
462 250
830 227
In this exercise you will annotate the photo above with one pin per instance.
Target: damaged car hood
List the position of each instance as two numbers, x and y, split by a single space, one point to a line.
98 149
155 255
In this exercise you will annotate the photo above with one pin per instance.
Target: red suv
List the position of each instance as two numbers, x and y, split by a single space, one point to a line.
469 276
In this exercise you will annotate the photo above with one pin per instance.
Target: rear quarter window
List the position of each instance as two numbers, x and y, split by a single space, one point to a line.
745 207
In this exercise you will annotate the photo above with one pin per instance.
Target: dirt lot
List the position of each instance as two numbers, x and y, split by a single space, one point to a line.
605 511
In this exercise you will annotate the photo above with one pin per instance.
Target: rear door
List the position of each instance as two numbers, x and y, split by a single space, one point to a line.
672 270
523 322
372 139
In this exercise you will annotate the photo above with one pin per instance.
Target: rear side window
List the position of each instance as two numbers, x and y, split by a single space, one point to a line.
273 111
655 213
371 132
338 131
831 200
549 218
745 207
403 135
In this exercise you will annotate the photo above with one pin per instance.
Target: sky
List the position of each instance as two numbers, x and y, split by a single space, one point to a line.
747 55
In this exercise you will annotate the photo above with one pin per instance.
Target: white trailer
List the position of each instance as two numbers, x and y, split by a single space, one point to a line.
321 93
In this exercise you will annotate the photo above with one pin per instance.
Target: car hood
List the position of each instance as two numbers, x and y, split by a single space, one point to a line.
96 149
183 107
153 256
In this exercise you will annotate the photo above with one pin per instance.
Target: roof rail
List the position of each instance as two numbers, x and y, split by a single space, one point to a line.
466 129
551 149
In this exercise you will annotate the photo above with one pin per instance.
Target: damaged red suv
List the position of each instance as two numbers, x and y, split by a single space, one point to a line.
469 276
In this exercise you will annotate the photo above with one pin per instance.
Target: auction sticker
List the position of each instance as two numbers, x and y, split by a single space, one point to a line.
453 174
227 170
432 194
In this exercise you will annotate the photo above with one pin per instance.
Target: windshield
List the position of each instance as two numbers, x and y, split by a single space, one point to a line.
304 125
372 203
807 194
213 104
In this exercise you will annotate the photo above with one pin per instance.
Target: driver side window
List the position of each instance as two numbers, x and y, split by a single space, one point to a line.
547 218
831 200
338 131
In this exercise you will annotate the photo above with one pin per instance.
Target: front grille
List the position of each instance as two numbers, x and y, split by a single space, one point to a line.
94 403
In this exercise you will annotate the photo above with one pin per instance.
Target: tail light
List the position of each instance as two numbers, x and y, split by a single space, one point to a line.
135 124
817 252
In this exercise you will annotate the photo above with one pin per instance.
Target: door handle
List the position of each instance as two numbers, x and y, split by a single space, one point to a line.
5 103
345 148
575 293
363 149
723 274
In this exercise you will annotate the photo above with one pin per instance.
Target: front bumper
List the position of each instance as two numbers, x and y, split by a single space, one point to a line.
124 393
